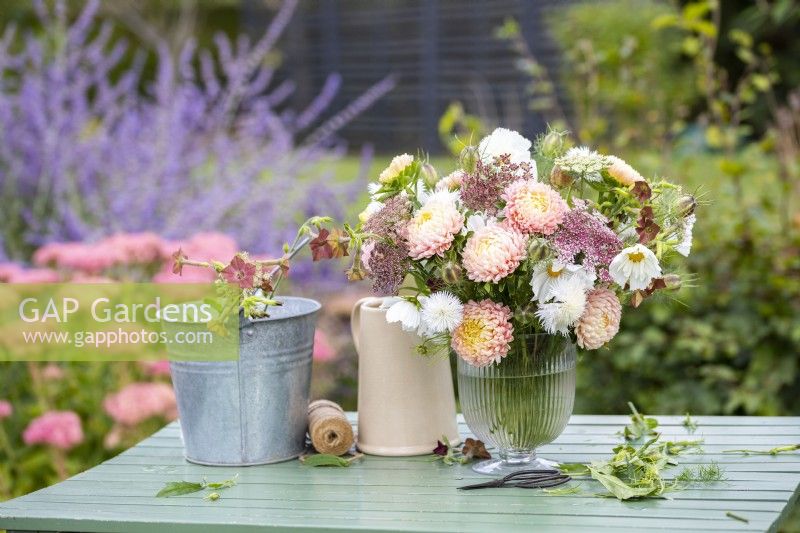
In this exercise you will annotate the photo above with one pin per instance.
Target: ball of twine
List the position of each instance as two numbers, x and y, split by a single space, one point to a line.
329 429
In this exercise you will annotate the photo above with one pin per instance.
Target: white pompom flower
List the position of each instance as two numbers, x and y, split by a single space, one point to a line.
504 141
442 312
568 304
635 266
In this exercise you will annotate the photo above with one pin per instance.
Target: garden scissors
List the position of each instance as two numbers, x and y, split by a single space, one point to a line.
525 479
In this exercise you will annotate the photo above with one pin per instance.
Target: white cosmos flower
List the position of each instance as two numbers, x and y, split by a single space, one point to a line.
546 274
441 312
504 141
405 312
635 266
567 305
686 244
476 222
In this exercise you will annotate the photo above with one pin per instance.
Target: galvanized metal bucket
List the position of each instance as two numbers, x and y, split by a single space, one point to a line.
252 411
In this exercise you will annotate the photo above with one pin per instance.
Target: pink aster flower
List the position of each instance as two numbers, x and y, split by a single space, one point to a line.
9 270
137 402
434 226
493 252
6 409
600 320
534 207
60 429
485 333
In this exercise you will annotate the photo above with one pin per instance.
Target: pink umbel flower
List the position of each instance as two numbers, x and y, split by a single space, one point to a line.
323 350
9 270
156 368
6 409
137 402
60 429
52 372
485 333
493 252
434 226
586 235
600 320
35 275
534 207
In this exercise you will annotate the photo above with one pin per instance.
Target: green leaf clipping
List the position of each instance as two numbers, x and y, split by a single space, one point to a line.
179 488
326 459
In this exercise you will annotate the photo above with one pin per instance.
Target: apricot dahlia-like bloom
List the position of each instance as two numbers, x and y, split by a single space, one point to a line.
534 207
485 333
622 171
396 167
600 321
434 226
493 252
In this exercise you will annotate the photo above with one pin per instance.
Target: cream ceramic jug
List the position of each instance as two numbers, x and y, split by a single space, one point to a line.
405 400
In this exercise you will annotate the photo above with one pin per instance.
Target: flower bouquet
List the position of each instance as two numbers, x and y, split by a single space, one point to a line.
513 259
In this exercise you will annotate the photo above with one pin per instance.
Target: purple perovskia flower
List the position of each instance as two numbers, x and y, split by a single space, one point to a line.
208 145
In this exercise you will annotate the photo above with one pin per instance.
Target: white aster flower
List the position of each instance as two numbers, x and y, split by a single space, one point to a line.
583 162
686 244
568 304
547 274
635 266
405 312
441 312
372 208
504 141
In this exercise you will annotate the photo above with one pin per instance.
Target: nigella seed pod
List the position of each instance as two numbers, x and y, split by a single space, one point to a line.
469 158
559 178
686 205
672 282
452 273
552 144
429 175
537 250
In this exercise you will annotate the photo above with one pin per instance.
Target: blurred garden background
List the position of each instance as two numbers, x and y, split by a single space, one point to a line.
130 128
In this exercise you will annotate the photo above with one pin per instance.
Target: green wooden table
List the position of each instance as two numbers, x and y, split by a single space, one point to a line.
416 494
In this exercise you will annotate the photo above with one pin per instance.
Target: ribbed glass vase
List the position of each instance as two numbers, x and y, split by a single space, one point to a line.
521 403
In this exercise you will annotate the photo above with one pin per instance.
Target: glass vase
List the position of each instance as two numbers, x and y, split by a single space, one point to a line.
521 403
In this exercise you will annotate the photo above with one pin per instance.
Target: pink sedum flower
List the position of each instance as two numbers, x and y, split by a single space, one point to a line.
485 333
533 207
137 402
35 275
600 320
434 226
60 429
6 409
493 252
156 368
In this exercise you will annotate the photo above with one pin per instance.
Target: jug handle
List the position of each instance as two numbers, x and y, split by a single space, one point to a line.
355 318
